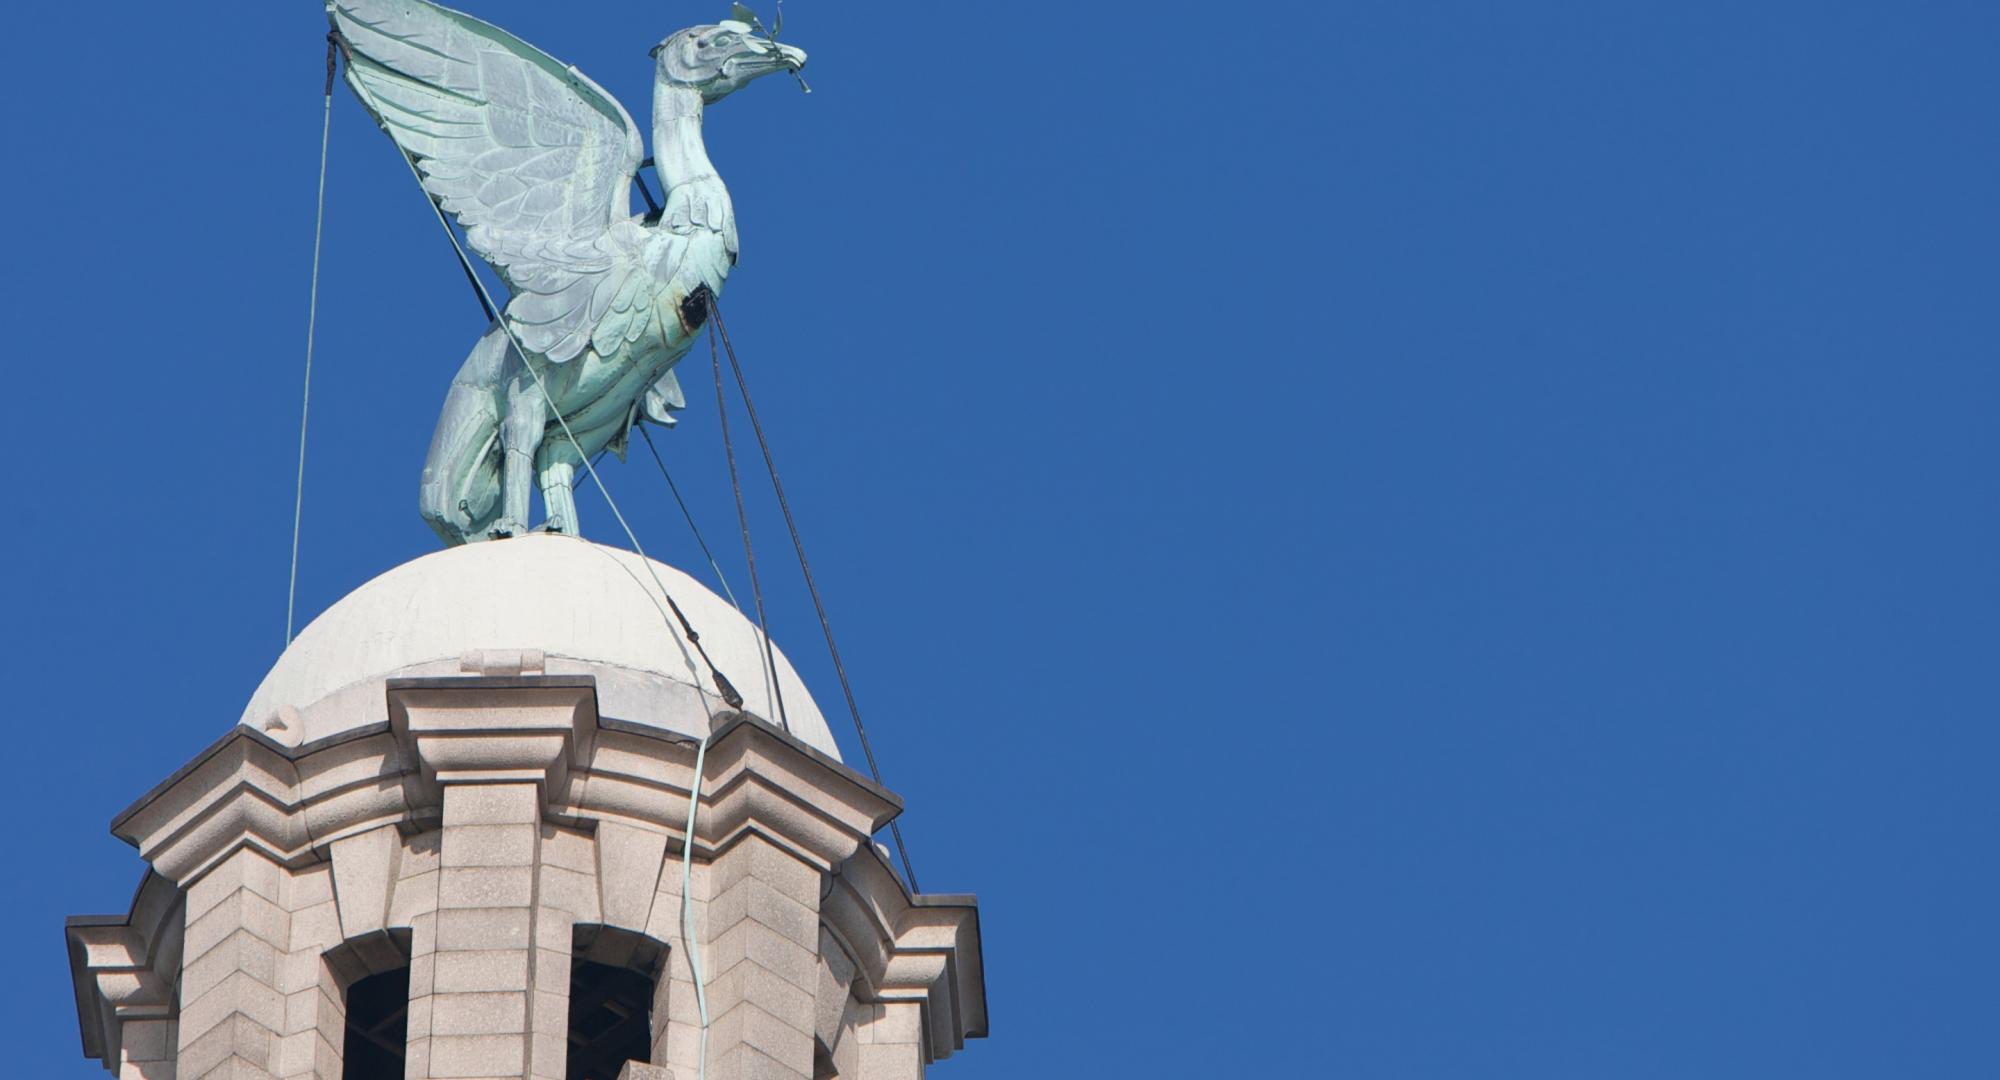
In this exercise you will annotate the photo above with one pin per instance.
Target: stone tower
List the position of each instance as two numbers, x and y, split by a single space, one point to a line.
451 838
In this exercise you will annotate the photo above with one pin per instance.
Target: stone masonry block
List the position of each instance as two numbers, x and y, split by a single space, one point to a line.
746 1063
548 1057
246 869
897 1022
892 1061
329 1016
417 1059
665 925
832 998
554 924
420 853
242 910
748 1025
755 985
146 1040
238 996
551 1013
639 1070
478 929
479 970
751 941
479 1014
552 968
364 869
240 952
570 890
680 1048
485 887
295 1055
423 933
298 971
238 1036
680 1005
489 845
847 1059
569 849
419 1017
315 929
659 1051
478 1055
423 974
661 1013
236 1068
326 1061
301 1012
753 899
756 857
628 872
414 895
313 885
492 804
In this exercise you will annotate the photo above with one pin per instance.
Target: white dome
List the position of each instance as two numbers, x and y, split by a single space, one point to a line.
592 610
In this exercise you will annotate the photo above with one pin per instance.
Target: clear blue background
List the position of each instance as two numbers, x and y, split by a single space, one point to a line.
1383 539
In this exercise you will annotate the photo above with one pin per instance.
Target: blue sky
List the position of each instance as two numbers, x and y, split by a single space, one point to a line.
1383 539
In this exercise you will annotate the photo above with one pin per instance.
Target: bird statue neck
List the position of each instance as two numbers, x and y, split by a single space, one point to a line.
678 154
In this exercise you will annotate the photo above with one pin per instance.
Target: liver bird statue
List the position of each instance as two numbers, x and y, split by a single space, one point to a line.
537 163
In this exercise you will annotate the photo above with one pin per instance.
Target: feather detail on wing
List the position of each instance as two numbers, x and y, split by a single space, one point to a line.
533 159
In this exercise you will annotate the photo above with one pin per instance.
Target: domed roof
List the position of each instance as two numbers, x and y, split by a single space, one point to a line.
590 609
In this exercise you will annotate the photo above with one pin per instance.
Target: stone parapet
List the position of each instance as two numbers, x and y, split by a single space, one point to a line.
489 833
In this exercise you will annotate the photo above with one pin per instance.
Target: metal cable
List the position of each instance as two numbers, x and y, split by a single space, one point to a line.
770 681
312 329
688 936
839 669
743 523
689 516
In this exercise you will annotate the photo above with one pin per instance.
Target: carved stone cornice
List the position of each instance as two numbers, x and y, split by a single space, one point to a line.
922 948
291 803
488 729
915 956
123 967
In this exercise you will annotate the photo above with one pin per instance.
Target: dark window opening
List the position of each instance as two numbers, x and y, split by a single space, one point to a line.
611 980
378 1026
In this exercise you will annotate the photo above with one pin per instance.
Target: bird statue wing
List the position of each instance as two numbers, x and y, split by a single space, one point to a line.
533 159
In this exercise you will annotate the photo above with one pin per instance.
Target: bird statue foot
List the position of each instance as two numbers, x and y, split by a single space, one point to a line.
507 527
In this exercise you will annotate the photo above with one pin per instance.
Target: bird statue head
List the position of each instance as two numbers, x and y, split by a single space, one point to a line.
720 59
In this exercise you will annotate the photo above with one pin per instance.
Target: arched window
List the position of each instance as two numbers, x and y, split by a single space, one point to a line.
378 1027
375 969
612 978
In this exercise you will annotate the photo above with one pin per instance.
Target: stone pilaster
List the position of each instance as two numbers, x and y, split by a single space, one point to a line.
478 1009
761 962
311 1041
496 1002
238 935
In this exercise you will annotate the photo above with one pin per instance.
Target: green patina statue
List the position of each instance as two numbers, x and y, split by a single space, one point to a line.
536 162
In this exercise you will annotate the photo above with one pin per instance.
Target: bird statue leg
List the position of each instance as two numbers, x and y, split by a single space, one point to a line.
558 462
521 432
461 484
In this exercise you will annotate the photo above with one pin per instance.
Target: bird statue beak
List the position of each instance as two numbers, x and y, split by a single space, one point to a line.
654 52
793 57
